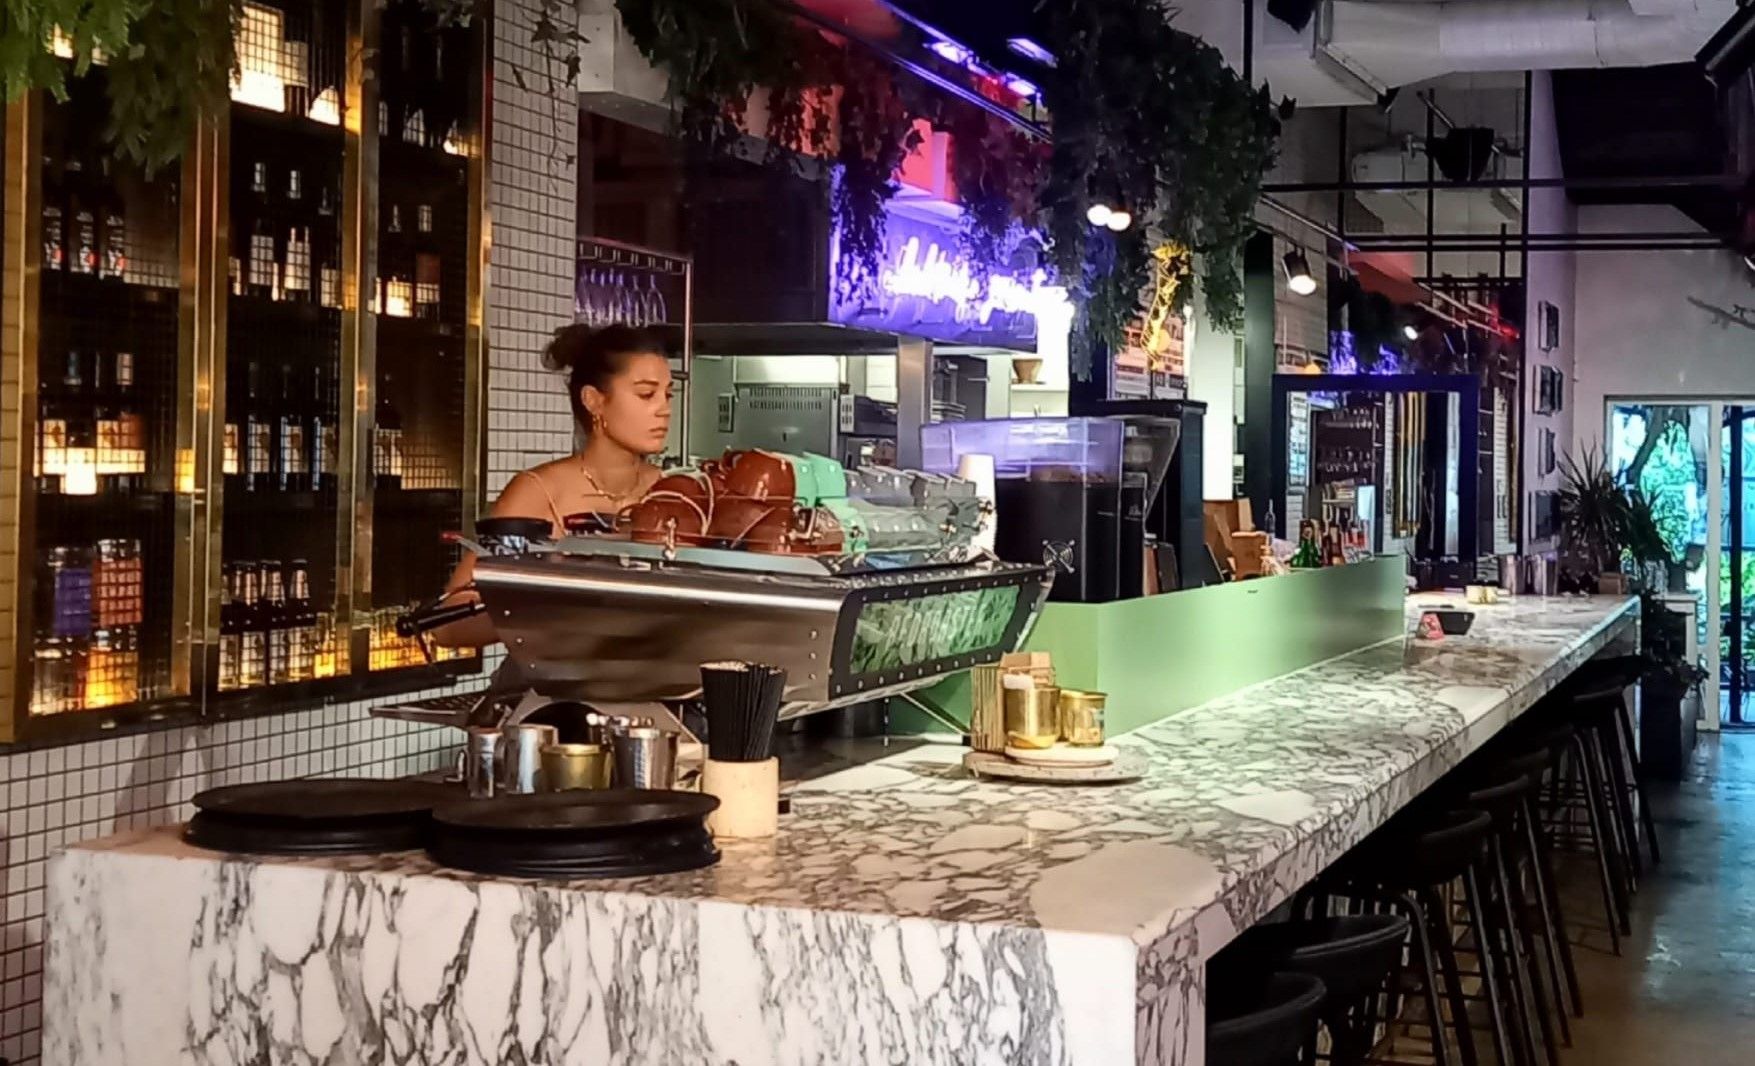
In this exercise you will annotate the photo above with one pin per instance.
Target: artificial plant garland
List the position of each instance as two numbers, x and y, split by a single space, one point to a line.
1150 119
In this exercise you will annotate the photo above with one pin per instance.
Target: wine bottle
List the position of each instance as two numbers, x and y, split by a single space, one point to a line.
83 212
387 440
231 630
302 622
252 636
293 449
264 279
296 279
320 433
258 436
54 217
113 236
276 627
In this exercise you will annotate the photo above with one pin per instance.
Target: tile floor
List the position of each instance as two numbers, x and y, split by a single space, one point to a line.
1683 991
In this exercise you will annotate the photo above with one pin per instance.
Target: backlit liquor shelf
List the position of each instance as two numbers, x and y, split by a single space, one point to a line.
208 528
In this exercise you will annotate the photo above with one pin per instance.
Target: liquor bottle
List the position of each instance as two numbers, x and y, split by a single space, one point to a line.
292 465
82 212
387 440
296 278
231 629
62 409
113 234
258 436
259 180
252 636
271 615
295 184
302 617
264 279
426 285
54 217
1307 556
114 381
231 458
320 433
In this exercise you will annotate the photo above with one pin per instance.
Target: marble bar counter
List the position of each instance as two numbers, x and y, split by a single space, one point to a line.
905 914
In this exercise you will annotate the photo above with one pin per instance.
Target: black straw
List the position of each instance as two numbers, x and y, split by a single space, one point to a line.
742 701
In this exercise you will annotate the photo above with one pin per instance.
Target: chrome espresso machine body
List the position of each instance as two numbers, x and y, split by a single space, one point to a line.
613 622
610 622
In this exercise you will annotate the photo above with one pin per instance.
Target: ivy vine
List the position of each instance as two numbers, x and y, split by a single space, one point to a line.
1150 119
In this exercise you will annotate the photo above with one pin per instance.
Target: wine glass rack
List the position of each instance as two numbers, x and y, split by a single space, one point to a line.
618 282
243 394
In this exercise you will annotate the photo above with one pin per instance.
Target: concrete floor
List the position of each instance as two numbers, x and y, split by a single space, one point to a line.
1683 990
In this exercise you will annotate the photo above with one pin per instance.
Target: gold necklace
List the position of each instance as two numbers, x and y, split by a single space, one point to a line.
615 498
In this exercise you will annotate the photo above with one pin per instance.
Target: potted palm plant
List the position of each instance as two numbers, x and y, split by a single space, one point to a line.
1594 518
1667 676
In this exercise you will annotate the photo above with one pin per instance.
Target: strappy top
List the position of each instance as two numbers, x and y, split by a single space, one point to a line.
554 509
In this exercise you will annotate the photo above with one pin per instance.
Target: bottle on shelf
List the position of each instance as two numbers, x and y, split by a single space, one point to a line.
252 634
321 432
120 433
293 452
58 411
302 625
231 629
258 435
82 214
296 276
54 217
271 614
387 439
1307 556
112 259
264 277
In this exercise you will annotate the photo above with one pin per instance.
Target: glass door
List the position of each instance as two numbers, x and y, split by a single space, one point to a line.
1737 573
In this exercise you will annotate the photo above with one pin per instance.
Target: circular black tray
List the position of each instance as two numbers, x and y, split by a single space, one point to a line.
316 817
585 834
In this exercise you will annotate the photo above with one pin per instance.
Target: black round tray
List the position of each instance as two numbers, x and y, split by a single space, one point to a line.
583 834
316 817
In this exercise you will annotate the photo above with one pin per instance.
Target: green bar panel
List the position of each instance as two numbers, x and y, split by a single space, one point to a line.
1162 654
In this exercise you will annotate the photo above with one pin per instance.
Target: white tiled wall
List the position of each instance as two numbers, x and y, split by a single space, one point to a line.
55 796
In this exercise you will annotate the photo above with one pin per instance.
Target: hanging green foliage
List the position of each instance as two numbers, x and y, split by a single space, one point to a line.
166 60
1149 119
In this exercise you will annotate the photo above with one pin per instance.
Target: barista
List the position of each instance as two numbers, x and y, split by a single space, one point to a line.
619 384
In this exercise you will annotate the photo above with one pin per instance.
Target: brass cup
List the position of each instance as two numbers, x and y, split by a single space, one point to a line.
571 766
1032 717
1081 717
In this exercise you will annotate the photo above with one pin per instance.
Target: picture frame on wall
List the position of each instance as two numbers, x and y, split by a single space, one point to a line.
1547 326
1550 390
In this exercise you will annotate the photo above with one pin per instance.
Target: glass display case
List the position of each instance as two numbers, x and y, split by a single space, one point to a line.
241 397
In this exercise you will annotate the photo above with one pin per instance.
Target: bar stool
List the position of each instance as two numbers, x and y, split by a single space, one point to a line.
1529 850
1576 770
1262 1026
1354 956
1508 941
1407 864
1601 699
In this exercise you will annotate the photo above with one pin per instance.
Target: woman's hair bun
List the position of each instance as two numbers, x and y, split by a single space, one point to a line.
595 355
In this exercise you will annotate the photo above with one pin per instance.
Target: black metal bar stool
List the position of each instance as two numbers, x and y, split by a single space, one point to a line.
1580 781
1507 940
1409 864
1601 696
1529 851
1264 1023
1354 956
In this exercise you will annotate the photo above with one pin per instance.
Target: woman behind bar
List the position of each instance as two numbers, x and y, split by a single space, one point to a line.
618 380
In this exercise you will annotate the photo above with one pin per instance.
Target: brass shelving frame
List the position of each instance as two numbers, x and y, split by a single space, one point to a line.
198 510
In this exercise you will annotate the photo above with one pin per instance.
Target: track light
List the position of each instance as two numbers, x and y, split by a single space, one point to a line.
1119 220
1298 276
1099 214
1410 332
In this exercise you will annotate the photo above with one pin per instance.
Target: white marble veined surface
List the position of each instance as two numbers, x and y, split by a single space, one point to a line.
906 913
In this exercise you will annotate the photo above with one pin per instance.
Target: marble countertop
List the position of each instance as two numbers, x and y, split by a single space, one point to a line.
1245 799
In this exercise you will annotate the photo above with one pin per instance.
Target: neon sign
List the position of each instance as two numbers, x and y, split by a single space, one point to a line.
928 288
937 276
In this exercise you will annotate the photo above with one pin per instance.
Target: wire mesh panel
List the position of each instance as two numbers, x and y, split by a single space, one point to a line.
421 299
283 348
103 458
